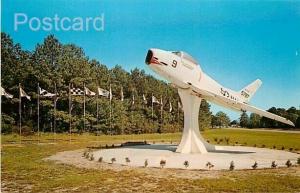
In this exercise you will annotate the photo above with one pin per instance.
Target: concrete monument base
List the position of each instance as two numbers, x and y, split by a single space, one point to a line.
243 157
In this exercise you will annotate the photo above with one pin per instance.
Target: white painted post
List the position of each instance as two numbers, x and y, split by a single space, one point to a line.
191 141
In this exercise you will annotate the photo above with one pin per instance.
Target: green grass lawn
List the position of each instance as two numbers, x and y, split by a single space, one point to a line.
24 170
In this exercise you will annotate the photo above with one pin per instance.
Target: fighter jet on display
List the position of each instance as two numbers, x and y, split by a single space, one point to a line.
184 72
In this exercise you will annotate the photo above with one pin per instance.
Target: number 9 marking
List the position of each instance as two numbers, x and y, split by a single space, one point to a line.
174 63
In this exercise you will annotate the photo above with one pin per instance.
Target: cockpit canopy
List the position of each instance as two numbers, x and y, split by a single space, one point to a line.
185 56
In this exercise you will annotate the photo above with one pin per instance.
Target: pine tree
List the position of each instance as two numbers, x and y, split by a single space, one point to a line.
244 120
254 121
204 115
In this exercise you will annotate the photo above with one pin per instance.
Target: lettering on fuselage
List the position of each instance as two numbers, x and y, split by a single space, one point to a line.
225 93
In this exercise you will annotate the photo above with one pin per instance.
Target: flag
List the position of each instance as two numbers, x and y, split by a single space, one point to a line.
77 92
170 108
154 100
122 94
45 93
144 99
103 92
7 95
89 92
110 93
23 94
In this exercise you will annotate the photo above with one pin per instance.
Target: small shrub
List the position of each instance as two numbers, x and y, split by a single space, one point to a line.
298 161
231 167
254 166
291 149
209 165
186 163
273 165
162 163
254 145
227 140
263 146
106 146
127 160
113 145
274 147
100 159
216 139
207 141
84 154
282 148
236 142
92 157
146 163
288 163
113 160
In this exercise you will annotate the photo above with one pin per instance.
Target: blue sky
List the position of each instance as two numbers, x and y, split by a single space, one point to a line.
235 42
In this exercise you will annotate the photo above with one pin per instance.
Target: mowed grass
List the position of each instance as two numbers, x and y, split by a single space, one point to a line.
24 170
253 137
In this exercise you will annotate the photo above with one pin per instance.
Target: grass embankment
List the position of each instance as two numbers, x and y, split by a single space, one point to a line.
24 170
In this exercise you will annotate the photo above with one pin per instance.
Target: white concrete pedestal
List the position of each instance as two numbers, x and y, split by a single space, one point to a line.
192 141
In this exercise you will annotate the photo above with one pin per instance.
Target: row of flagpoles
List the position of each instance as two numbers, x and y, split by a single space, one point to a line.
77 92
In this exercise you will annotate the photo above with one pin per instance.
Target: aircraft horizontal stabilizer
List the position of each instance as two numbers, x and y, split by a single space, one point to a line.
246 107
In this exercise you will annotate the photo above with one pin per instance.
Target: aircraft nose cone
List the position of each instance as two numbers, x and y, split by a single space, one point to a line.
150 58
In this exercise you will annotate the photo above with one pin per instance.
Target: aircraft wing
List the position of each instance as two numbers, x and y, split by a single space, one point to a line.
246 107
223 101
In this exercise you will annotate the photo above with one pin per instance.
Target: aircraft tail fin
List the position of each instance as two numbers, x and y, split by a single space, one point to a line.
247 92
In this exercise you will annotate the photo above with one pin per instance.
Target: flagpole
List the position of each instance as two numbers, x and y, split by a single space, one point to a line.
152 111
178 112
161 113
122 99
83 107
20 111
97 114
38 111
97 103
110 98
152 107
54 116
70 109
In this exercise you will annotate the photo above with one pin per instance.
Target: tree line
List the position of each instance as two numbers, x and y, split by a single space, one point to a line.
54 63
256 121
